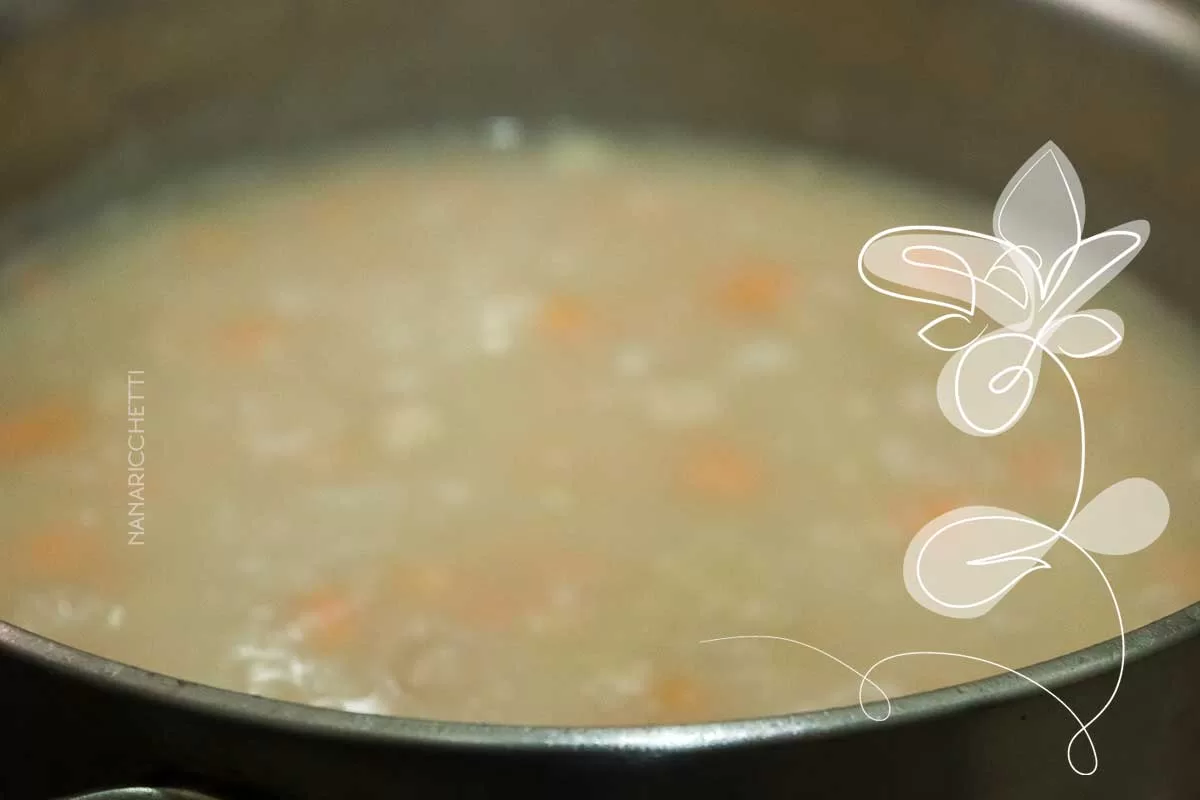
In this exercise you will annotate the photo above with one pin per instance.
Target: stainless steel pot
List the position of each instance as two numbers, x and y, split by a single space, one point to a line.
99 96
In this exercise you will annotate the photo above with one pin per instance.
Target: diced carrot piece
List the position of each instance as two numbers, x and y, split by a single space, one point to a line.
248 337
68 554
433 581
723 472
59 553
755 290
423 582
913 513
329 619
1037 466
39 431
1182 570
679 698
31 282
565 319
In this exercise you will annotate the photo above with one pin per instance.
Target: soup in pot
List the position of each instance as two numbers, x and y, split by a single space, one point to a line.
507 431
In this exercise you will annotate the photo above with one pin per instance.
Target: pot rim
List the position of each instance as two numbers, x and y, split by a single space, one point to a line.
289 717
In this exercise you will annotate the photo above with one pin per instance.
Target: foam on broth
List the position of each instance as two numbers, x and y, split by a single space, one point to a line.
437 430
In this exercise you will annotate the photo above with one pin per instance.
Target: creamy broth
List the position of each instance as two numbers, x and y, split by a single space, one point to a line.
494 434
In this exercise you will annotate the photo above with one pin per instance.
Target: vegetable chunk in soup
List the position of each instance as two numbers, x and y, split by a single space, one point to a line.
443 430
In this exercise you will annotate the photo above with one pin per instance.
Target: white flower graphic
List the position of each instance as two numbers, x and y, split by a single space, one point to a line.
1030 278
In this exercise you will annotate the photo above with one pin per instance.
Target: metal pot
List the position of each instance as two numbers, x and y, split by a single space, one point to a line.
100 96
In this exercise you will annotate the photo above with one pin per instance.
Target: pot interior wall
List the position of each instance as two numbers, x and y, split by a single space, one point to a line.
102 95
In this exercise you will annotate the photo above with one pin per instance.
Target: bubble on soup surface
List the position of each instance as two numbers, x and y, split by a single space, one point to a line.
268 669
630 681
899 457
408 428
633 361
500 322
62 608
577 151
370 704
454 493
557 500
290 302
763 357
683 405
284 444
505 133
401 380
918 399
438 665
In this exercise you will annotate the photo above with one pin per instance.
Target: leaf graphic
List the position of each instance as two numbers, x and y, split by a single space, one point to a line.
1012 276
1125 518
1042 208
957 270
964 562
1086 268
985 388
1087 334
951 320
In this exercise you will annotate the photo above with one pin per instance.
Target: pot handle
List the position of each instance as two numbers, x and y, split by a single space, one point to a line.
141 793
